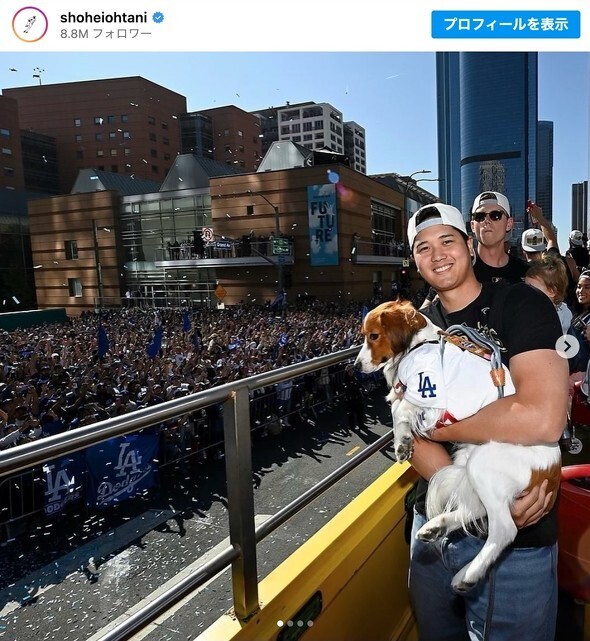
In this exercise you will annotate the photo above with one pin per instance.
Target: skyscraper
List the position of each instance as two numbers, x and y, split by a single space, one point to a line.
580 206
487 128
545 167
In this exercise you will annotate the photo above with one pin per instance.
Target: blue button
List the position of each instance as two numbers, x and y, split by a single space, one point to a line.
506 24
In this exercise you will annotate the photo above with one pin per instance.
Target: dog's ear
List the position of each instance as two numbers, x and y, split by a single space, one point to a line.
401 322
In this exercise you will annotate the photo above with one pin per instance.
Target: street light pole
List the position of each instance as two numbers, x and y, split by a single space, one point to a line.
277 233
408 180
97 263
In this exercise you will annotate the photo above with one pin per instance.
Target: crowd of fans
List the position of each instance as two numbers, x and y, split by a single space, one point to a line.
54 378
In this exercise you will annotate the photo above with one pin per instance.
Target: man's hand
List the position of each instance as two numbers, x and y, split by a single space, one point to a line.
530 506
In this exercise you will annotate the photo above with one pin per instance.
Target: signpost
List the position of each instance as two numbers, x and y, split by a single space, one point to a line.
280 246
220 292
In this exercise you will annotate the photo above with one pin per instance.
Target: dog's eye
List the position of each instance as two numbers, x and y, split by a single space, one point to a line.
373 337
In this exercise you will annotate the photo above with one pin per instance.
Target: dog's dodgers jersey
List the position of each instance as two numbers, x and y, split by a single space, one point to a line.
460 382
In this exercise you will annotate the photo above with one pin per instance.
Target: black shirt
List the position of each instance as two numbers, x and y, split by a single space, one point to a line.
519 318
512 272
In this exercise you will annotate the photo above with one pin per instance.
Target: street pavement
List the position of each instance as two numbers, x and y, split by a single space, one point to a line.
75 577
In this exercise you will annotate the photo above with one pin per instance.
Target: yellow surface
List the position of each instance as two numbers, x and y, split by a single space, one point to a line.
359 562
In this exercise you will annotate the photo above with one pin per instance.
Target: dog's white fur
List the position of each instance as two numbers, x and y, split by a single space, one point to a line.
483 479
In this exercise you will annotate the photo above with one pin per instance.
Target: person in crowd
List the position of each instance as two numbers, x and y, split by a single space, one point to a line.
527 327
532 246
355 403
491 223
578 250
549 276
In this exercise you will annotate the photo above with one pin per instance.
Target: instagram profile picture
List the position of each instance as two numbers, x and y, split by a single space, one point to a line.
29 24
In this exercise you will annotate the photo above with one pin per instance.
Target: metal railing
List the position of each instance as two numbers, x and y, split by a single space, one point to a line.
241 552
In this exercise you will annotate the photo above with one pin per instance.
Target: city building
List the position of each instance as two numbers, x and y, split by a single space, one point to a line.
315 126
11 171
227 134
120 125
545 167
211 234
487 128
580 206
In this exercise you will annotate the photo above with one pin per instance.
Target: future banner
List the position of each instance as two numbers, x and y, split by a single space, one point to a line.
323 225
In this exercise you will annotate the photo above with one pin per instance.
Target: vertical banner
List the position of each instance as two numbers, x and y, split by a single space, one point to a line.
121 468
63 482
323 224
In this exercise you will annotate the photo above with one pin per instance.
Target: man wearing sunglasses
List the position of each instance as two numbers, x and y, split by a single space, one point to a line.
491 221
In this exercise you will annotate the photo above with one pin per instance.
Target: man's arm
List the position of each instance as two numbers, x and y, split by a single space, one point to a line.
536 214
535 414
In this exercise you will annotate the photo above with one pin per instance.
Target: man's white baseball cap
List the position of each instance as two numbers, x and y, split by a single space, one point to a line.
435 214
533 240
491 198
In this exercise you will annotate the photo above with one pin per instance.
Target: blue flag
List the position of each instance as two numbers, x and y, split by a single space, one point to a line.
364 312
154 347
186 322
103 341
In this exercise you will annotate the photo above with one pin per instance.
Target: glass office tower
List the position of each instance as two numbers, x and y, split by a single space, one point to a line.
495 145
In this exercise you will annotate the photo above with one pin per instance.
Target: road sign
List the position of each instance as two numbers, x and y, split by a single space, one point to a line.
405 262
281 259
223 244
280 246
207 234
220 292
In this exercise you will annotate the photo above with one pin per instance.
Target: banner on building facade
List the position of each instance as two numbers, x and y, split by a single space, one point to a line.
121 468
323 224
64 482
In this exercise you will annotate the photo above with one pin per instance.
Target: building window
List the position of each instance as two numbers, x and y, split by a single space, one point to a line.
71 249
226 132
285 129
242 163
77 122
115 169
153 137
319 135
124 118
75 287
296 139
127 151
154 153
6 151
307 126
99 153
164 125
151 120
126 135
227 148
165 141
100 168
98 120
166 156
111 120
240 133
307 137
154 169
318 124
112 135
98 137
79 154
296 128
8 171
5 132
241 148
113 152
78 137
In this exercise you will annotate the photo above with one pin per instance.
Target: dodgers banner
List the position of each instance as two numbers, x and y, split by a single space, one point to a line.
121 468
63 482
323 224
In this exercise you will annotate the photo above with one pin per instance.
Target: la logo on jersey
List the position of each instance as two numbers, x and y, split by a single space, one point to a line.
425 387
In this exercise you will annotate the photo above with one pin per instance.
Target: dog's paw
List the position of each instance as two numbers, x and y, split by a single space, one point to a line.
429 532
460 584
404 448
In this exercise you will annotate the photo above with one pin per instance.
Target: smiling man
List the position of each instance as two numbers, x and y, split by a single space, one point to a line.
491 222
525 325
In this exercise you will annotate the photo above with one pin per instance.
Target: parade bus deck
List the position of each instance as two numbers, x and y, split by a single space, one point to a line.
347 582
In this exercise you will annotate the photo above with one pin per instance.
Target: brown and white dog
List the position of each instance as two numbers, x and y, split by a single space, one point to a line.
430 387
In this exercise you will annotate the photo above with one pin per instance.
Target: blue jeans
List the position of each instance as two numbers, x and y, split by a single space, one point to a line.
517 601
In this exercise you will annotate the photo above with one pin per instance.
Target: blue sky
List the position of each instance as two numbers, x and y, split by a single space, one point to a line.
392 95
